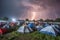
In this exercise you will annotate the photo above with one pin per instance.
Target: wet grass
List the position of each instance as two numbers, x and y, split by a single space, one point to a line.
31 36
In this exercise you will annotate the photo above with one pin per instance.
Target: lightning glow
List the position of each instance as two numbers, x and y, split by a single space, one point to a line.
33 15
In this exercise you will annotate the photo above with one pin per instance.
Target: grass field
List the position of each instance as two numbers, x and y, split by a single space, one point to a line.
31 36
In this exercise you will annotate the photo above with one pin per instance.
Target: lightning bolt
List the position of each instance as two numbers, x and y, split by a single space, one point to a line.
33 15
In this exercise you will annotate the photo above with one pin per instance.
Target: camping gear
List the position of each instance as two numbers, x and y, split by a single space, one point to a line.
56 28
39 28
6 26
32 26
3 30
46 24
24 29
51 30
2 24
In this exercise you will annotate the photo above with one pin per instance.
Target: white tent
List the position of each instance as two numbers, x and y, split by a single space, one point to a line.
3 21
24 29
6 26
39 27
51 30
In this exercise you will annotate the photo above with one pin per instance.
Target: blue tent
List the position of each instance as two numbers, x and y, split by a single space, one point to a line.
31 25
51 30
46 25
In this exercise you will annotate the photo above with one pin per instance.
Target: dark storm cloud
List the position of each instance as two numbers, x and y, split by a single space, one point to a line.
19 8
6 7
53 4
13 8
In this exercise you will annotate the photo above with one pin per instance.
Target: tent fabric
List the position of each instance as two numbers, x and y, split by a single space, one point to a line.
2 31
31 25
56 28
24 29
21 29
51 30
39 28
45 25
6 26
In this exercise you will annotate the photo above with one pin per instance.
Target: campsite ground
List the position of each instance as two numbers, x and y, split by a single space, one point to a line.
31 36
14 35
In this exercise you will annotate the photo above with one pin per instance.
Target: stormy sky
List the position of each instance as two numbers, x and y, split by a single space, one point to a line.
22 9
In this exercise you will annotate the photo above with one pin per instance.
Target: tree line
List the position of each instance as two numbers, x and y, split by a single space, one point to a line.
46 20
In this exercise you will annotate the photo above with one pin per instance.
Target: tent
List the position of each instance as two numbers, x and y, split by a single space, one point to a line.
46 24
24 29
51 30
3 30
56 28
3 21
39 28
6 26
31 25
